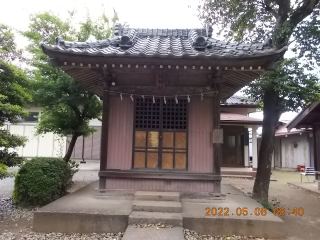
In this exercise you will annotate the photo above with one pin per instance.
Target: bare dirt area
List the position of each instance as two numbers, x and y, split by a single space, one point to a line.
297 227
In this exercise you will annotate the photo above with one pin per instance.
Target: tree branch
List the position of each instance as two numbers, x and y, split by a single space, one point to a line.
283 12
302 12
268 8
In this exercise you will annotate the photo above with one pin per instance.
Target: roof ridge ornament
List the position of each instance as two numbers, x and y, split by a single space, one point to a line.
126 41
268 42
199 42
117 29
209 30
59 41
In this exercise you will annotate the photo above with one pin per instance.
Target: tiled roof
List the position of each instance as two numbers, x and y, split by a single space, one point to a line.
239 100
283 131
174 43
234 117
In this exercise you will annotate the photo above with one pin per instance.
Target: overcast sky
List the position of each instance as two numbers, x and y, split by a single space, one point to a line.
137 13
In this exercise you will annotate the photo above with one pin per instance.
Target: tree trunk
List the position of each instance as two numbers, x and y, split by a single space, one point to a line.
271 112
70 148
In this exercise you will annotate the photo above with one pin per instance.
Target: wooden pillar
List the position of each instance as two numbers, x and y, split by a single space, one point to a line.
254 148
316 140
104 134
246 147
217 137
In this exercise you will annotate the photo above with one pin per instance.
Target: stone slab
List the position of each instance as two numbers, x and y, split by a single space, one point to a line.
311 187
157 196
133 233
157 206
139 217
236 176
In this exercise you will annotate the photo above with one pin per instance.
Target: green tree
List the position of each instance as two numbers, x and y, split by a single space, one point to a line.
67 106
8 47
13 98
285 22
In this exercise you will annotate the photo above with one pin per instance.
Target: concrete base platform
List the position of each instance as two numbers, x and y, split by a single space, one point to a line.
133 233
82 212
233 219
247 173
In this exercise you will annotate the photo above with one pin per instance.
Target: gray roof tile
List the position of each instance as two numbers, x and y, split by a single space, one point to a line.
178 43
239 100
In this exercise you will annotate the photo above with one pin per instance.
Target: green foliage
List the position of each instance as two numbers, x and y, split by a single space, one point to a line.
8 47
13 97
254 20
307 40
3 171
294 87
42 180
67 106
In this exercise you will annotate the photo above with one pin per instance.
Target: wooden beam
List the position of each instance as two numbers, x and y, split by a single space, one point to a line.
104 129
217 153
179 175
300 117
246 62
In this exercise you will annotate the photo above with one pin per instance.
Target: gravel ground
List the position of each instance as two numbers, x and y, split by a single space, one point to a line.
42 236
192 235
15 223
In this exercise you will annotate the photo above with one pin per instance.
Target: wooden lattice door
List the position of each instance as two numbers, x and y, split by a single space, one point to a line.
160 135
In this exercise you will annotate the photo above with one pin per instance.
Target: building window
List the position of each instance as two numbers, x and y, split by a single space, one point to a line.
160 136
33 117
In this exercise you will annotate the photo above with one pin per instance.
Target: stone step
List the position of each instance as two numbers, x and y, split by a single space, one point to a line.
156 206
133 233
157 196
237 176
139 217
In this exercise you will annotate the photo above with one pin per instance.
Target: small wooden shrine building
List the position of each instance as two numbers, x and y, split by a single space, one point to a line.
308 119
161 91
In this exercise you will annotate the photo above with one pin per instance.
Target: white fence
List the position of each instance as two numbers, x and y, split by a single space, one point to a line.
46 145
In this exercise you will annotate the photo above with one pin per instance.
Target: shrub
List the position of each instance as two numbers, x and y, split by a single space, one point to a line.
3 171
42 180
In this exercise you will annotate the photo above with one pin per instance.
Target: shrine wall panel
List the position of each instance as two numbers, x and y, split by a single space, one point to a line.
160 185
200 125
120 133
